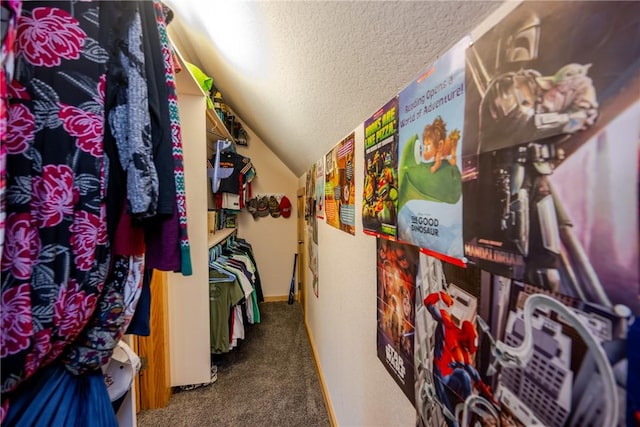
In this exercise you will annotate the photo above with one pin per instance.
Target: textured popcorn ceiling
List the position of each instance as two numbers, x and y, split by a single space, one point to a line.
303 75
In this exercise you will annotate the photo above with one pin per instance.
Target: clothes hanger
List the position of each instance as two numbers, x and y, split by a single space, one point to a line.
213 132
228 275
214 264
219 173
222 257
223 145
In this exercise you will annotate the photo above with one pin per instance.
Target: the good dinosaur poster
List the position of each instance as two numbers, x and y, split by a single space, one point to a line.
430 145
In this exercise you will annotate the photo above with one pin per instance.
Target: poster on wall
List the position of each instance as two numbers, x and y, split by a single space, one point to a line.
397 265
339 190
491 350
380 192
551 146
320 189
312 228
446 310
309 191
431 121
312 250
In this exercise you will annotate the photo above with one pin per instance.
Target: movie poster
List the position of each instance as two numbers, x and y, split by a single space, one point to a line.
397 265
339 190
551 149
320 189
430 146
380 192
312 226
493 351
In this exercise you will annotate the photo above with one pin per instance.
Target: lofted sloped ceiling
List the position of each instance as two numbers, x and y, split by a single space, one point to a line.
303 74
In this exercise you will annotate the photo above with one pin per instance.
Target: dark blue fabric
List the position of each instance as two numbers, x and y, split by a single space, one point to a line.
140 322
55 397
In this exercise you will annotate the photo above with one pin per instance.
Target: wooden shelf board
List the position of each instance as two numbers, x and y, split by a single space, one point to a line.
218 126
219 236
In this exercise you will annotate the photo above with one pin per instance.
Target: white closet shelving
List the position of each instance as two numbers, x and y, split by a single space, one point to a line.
188 296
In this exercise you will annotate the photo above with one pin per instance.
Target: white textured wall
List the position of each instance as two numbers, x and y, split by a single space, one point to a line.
342 320
274 240
343 324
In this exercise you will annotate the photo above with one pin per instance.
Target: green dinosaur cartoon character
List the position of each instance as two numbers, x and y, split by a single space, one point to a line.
428 169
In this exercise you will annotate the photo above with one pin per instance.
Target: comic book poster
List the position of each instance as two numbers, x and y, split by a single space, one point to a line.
380 191
397 265
494 351
551 146
312 226
446 309
339 189
431 136
320 189
551 359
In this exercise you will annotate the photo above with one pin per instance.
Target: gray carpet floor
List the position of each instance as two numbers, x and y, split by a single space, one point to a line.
269 380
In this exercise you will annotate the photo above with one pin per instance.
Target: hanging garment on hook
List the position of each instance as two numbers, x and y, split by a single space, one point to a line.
219 173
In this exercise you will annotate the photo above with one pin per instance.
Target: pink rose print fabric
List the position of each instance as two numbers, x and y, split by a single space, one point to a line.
10 14
48 35
84 125
54 195
65 301
21 129
16 319
55 259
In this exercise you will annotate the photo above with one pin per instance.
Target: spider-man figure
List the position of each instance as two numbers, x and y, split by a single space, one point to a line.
455 345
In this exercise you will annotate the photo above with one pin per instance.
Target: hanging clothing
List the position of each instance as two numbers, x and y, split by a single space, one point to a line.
140 323
10 13
56 256
66 301
246 287
245 275
158 96
94 344
217 172
130 124
229 265
235 163
59 398
223 295
237 329
245 248
163 240
176 141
